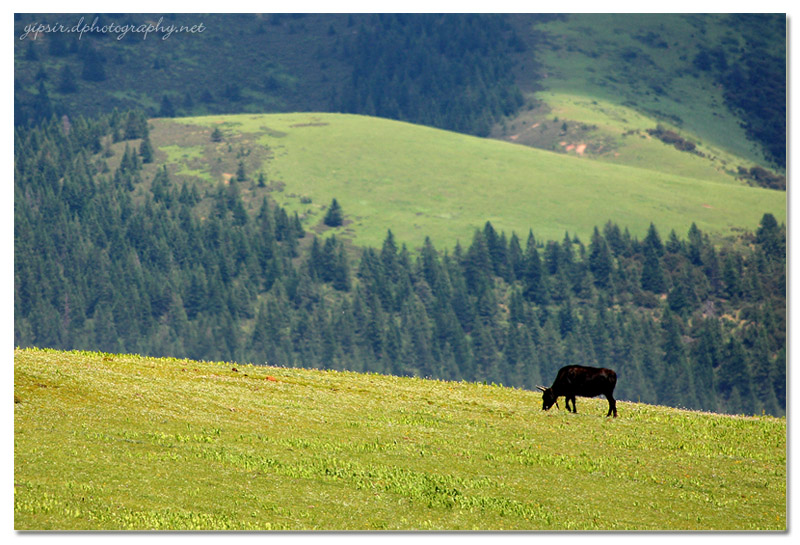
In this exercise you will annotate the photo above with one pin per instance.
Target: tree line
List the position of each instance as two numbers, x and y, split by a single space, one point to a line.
753 77
106 259
451 71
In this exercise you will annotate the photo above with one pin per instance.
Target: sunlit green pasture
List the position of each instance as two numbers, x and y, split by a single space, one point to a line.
644 60
117 442
418 181
624 131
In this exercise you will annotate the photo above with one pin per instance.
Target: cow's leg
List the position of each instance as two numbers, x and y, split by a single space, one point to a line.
574 408
612 405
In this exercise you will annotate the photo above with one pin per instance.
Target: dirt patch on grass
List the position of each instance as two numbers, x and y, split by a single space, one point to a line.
538 128
311 124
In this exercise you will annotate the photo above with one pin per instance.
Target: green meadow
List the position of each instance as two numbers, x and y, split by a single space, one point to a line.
644 61
123 442
419 181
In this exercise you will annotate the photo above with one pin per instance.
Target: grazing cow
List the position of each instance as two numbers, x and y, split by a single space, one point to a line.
578 380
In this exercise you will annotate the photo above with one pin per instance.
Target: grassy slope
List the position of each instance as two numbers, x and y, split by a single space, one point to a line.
419 181
641 65
125 442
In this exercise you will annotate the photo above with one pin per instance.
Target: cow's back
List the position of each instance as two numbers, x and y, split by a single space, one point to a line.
585 381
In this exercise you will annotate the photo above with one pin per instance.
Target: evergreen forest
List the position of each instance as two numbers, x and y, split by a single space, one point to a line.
185 271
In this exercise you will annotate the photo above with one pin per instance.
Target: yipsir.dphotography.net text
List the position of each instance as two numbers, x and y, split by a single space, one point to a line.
82 27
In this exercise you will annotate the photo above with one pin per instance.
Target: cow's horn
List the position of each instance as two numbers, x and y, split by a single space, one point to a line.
542 388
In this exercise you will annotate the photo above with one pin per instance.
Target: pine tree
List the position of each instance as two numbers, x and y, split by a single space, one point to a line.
771 238
146 150
534 281
673 244
334 215
566 318
734 376
429 264
706 356
652 278
389 258
241 174
93 69
30 52
498 248
166 109
763 371
600 263
516 260
136 126
66 81
42 106
653 241
675 380
732 272
696 245
478 264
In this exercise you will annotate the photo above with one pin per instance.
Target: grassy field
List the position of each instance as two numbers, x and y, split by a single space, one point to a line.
418 181
644 62
116 442
617 134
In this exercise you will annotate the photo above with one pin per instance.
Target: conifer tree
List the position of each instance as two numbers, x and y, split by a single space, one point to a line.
478 264
93 69
600 263
389 258
146 150
653 241
695 246
735 379
534 280
166 109
770 238
516 260
334 215
675 385
42 106
66 81
652 278
497 247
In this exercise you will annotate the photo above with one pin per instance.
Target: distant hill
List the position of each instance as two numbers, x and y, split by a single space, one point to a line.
720 78
418 181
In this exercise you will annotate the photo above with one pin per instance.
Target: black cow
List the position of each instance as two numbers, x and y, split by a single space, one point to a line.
578 380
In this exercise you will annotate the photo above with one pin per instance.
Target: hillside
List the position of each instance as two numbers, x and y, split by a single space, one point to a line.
169 199
112 442
126 254
418 181
718 79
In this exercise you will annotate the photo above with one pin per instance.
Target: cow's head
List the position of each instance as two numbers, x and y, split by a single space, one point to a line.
548 398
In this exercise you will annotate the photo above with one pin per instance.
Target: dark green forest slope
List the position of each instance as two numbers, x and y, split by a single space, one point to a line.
684 322
448 71
463 72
